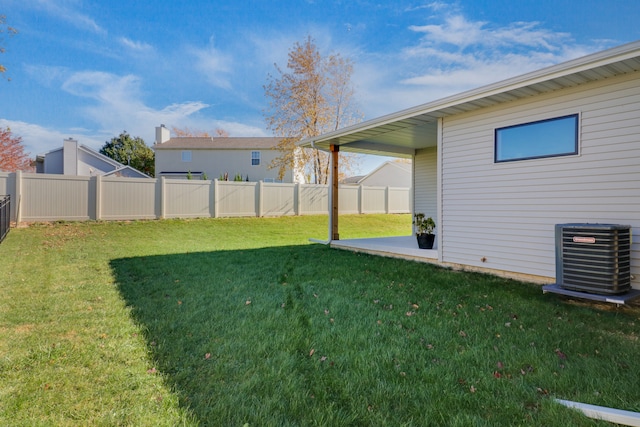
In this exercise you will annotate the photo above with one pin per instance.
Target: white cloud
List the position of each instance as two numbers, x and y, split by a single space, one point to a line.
67 11
214 64
135 45
454 53
37 139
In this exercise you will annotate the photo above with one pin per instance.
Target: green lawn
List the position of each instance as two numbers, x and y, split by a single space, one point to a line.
229 322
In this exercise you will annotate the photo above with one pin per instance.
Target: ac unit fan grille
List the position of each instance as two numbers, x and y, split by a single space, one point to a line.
594 258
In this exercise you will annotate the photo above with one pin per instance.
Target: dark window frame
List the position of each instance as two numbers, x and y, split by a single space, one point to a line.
560 153
255 160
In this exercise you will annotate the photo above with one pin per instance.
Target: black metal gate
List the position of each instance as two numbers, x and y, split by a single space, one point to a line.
5 216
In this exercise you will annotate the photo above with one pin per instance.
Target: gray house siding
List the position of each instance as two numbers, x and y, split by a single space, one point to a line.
502 215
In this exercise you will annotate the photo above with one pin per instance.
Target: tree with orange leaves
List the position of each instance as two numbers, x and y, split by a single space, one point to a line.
12 155
312 97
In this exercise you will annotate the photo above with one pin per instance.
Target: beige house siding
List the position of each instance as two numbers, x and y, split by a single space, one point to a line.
502 215
215 163
426 177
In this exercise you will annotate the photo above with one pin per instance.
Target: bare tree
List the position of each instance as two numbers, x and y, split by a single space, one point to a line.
4 28
313 97
186 132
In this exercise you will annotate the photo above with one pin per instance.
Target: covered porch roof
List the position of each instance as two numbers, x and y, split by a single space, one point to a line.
401 133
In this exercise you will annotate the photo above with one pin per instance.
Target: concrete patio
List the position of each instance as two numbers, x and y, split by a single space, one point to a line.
405 247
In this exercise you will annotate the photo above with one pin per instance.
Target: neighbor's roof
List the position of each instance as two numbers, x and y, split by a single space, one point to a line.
219 143
401 133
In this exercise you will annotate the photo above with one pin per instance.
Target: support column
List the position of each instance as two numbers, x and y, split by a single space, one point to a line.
333 213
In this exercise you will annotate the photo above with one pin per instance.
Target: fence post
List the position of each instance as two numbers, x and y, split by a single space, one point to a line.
18 192
260 198
98 193
296 200
361 199
386 200
216 199
161 195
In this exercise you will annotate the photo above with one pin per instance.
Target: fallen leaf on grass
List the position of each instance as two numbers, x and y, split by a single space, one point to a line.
207 356
472 389
152 371
560 354
463 334
313 350
247 302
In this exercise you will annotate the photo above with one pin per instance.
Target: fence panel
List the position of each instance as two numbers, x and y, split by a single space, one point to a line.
349 199
128 198
314 199
374 200
399 200
49 197
278 199
237 199
55 197
187 198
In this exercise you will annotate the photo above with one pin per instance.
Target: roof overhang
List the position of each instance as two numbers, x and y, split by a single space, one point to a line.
402 133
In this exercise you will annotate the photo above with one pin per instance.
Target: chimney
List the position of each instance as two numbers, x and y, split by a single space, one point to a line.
70 157
162 134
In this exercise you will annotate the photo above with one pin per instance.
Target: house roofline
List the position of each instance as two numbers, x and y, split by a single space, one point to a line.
597 66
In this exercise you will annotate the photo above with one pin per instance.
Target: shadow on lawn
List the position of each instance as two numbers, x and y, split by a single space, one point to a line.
234 335
206 314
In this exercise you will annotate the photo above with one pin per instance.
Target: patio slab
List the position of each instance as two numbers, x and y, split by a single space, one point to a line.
405 247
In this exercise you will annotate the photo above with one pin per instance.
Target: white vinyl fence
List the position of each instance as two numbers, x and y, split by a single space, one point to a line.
45 197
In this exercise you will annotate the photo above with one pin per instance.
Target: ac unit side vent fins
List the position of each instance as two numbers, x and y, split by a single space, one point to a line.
594 258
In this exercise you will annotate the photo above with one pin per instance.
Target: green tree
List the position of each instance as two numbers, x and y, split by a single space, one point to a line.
130 151
314 96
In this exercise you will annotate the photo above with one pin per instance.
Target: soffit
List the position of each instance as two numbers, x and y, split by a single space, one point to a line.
400 134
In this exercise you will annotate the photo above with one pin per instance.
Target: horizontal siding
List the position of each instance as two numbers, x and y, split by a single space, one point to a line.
426 179
502 216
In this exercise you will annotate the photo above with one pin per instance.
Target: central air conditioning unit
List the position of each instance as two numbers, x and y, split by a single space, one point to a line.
594 258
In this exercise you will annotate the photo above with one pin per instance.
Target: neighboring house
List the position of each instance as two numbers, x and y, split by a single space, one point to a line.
249 157
389 174
497 167
77 159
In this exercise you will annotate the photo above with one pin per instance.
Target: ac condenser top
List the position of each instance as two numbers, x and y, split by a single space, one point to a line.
594 258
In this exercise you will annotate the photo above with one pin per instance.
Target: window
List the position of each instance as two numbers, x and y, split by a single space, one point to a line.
255 158
545 138
186 156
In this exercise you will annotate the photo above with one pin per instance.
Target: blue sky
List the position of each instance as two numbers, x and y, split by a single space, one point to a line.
89 69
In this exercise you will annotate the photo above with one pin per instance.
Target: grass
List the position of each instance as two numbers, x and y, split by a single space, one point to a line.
241 321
